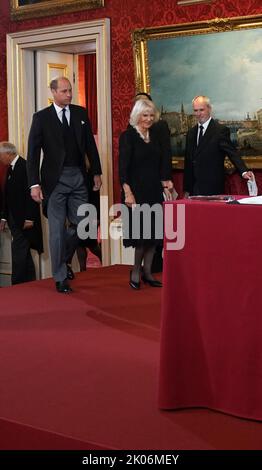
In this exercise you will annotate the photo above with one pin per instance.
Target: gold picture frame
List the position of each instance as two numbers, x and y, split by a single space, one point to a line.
149 42
23 9
192 2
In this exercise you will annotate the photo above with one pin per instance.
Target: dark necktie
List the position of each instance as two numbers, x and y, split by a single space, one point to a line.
200 137
64 120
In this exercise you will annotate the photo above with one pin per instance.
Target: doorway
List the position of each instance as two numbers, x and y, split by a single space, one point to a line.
74 39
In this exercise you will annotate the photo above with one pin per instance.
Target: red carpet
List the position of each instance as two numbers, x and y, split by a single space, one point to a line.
80 372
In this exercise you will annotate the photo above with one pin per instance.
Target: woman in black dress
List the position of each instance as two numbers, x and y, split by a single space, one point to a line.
144 176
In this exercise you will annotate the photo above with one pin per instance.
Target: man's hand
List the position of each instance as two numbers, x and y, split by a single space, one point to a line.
186 195
97 182
248 175
2 225
28 224
36 194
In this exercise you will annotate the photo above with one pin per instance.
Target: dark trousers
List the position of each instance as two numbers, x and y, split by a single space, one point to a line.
69 193
23 268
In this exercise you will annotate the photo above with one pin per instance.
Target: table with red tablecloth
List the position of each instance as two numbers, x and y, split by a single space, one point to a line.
211 332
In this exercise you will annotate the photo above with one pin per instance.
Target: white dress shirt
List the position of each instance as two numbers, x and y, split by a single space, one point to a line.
204 125
59 112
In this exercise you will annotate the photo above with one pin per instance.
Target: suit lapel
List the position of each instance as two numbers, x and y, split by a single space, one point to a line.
12 173
55 122
76 124
16 169
207 135
193 141
15 176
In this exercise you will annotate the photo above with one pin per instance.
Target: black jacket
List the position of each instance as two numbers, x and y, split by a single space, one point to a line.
17 202
47 134
204 164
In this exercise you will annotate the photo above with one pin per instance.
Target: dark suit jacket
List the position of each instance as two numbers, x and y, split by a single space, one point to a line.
18 204
47 134
162 133
204 164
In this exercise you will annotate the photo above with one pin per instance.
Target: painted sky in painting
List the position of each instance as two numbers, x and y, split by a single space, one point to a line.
227 67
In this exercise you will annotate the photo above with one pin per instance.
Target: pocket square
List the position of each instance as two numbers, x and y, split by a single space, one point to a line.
82 122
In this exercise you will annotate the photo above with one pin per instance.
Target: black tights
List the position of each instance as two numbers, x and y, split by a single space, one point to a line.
146 253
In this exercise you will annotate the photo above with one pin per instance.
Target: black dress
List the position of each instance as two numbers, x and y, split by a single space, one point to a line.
142 167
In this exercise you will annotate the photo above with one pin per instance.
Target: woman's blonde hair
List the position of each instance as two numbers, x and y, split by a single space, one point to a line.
139 108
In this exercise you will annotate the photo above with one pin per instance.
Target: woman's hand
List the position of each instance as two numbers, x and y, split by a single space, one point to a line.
168 185
129 196
168 188
130 199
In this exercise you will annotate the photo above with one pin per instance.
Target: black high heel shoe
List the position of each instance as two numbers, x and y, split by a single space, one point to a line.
151 282
133 284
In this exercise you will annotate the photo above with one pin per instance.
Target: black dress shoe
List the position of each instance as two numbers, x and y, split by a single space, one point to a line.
133 284
63 287
70 273
151 282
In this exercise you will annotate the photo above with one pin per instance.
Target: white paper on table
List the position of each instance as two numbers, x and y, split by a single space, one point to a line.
250 200
252 187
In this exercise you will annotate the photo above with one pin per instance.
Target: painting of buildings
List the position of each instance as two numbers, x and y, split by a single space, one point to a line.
227 67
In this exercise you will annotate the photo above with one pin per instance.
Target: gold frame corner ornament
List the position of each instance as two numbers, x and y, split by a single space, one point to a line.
50 7
140 38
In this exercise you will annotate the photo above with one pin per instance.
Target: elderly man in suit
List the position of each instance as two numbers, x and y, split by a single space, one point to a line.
63 132
21 213
207 145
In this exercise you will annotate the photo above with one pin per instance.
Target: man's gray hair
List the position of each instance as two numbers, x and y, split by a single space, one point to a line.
139 108
203 98
7 147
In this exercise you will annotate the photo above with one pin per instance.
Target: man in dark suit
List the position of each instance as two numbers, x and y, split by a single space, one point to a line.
207 145
22 215
64 134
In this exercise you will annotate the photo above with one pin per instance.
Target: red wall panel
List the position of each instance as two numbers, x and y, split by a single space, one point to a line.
125 16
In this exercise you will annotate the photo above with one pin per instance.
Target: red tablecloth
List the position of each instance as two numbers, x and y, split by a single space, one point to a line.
211 334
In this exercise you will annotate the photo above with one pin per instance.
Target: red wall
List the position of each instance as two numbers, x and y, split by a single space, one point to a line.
125 16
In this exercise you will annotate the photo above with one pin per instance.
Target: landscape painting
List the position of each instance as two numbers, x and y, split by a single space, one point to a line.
225 66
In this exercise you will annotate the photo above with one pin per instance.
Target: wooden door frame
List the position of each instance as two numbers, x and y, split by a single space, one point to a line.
21 103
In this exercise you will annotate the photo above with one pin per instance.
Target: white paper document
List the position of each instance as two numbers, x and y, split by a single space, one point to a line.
252 187
251 200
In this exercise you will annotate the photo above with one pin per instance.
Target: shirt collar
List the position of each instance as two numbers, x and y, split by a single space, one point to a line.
13 162
59 109
205 124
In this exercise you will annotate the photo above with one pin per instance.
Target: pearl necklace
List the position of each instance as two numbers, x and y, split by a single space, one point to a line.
146 137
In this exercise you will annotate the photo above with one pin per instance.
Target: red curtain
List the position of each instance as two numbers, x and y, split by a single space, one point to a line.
91 89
